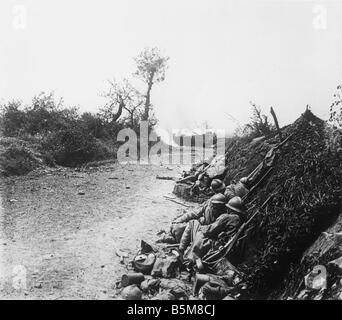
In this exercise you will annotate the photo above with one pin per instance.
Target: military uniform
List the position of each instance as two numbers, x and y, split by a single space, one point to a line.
202 237
237 189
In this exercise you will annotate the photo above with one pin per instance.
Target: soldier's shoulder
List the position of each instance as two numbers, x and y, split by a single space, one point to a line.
230 216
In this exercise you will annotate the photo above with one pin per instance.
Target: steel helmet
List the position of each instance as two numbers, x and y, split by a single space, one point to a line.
218 198
131 292
217 185
244 180
236 204
144 263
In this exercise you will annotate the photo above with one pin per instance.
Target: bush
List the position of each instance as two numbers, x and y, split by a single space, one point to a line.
13 118
59 135
305 184
258 126
18 157
72 147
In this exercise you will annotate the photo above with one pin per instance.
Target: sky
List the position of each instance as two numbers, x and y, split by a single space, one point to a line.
223 54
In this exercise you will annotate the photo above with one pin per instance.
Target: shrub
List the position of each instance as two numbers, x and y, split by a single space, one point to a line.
73 147
259 125
18 157
13 118
60 135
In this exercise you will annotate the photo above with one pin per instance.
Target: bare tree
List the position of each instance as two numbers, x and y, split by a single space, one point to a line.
133 107
118 96
151 68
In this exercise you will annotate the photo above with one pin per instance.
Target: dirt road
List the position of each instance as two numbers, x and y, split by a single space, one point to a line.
59 230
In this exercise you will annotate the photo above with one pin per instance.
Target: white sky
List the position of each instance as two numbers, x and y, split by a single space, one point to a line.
223 54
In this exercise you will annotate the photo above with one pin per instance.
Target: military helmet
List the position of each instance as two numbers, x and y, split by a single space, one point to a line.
218 198
131 292
217 185
236 204
244 180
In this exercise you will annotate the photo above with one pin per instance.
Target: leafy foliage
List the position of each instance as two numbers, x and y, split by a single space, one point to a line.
151 68
73 147
13 118
18 157
259 124
335 117
151 65
306 185
60 135
124 103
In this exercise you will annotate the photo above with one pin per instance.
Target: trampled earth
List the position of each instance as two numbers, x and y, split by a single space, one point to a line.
60 228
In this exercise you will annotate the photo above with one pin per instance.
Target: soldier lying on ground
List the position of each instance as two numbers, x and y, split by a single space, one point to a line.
236 189
198 170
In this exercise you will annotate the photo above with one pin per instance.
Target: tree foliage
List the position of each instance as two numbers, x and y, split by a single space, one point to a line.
124 104
259 124
68 137
151 68
13 118
64 136
335 112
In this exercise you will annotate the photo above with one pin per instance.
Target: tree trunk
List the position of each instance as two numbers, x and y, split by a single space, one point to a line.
117 115
148 98
132 120
276 124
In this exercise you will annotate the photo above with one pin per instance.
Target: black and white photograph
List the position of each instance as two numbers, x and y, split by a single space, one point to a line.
184 150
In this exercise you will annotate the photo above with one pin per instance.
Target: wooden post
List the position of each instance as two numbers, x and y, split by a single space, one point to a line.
276 124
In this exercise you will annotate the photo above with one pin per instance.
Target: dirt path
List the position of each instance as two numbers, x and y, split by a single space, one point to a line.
65 241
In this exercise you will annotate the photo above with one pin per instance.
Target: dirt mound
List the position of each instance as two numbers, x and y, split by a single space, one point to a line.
242 157
306 187
326 248
18 156
304 199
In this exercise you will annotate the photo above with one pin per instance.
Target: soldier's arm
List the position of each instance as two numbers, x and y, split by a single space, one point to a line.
190 215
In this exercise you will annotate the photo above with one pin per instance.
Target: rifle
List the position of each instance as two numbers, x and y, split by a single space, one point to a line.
279 145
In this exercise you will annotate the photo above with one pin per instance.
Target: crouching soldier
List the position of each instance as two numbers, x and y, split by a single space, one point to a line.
207 214
199 237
